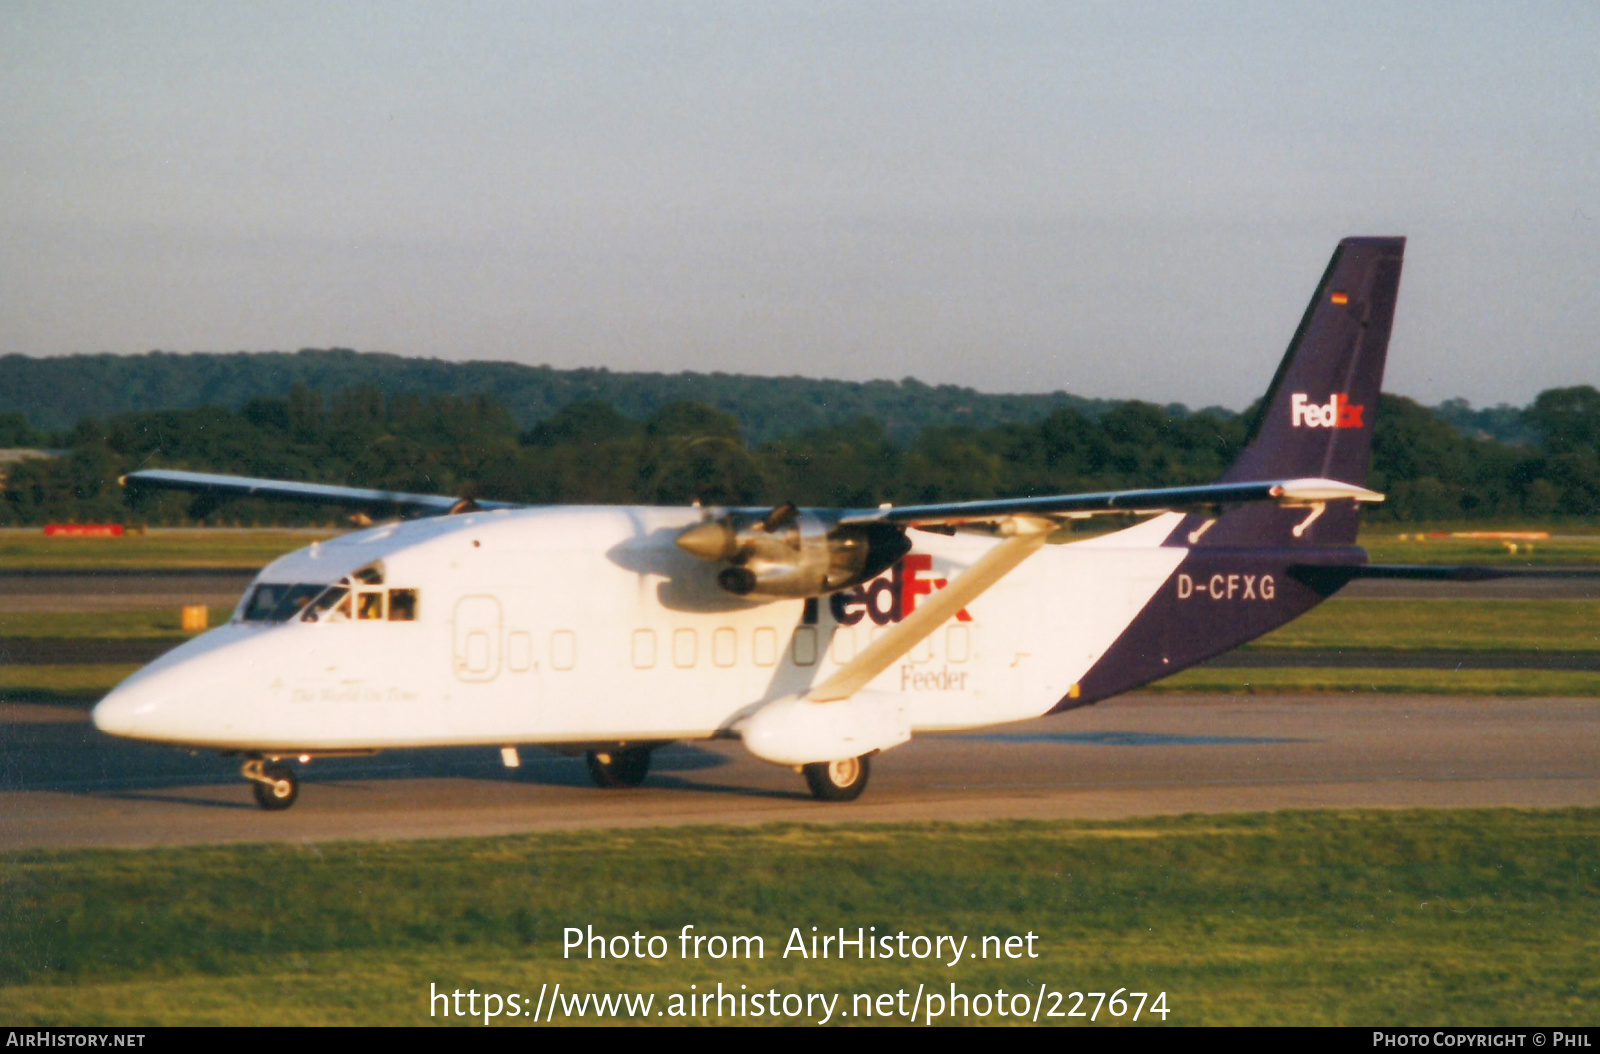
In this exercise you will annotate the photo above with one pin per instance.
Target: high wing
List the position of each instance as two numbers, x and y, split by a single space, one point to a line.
214 488
972 514
1025 524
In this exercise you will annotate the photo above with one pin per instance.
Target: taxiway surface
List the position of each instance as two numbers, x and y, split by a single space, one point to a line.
63 784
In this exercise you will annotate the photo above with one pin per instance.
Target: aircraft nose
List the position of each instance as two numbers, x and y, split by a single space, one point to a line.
126 710
174 698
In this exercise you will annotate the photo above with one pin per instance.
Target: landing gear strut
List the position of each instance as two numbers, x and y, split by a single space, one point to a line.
838 780
274 783
621 767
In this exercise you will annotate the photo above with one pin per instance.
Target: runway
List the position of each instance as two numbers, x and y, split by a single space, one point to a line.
29 591
62 784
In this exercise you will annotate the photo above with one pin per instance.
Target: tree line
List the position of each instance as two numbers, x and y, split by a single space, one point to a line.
592 452
55 392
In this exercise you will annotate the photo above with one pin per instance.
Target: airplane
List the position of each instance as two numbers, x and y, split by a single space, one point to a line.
818 638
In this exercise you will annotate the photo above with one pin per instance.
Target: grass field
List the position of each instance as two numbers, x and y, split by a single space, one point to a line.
75 684
1295 679
102 625
1408 544
1417 917
29 549
1561 626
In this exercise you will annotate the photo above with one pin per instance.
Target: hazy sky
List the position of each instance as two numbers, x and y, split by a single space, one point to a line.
1117 199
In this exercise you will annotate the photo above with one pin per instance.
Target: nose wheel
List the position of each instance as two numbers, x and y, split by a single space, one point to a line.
273 783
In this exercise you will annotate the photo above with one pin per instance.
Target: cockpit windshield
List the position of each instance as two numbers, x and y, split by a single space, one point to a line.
332 606
279 601
359 597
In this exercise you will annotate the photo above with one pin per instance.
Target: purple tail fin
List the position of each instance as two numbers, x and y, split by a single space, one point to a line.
1256 566
1317 417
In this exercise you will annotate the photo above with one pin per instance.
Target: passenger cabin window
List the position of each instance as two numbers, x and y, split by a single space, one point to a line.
765 646
724 647
644 649
519 648
685 648
957 644
563 650
844 644
805 646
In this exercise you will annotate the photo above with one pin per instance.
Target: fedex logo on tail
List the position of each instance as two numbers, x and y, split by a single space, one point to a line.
1337 412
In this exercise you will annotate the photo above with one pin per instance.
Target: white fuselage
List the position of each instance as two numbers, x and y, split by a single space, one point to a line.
589 625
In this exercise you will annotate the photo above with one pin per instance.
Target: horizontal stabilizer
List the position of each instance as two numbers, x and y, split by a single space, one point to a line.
1332 576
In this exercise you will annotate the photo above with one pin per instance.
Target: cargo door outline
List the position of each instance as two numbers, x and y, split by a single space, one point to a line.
476 656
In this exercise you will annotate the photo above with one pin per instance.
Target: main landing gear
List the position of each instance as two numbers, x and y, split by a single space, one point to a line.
618 767
838 780
274 783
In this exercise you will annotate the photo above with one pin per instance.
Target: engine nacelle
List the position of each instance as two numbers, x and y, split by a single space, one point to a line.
789 553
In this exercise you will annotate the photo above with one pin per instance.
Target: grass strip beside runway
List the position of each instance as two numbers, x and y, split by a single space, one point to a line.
1422 917
30 549
1569 547
78 684
1295 679
1556 625
154 624
87 683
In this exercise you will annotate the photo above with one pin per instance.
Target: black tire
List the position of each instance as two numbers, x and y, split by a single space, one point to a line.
281 793
838 780
624 767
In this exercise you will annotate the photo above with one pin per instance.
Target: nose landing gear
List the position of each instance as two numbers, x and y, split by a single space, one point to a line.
274 783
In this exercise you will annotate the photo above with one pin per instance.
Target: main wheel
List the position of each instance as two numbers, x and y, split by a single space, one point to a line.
838 780
281 792
624 767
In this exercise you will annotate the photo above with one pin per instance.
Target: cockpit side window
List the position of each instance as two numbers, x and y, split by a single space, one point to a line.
332 606
402 605
369 605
